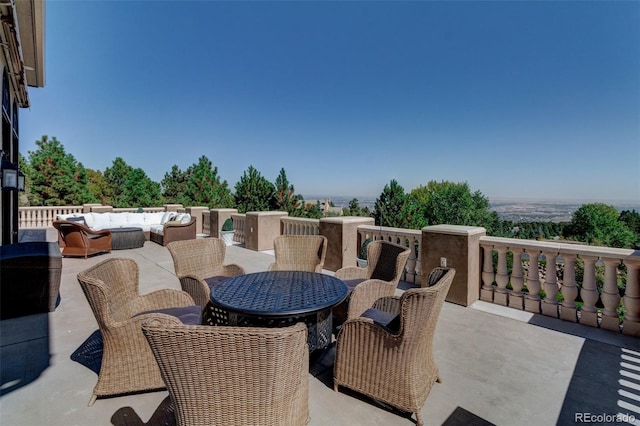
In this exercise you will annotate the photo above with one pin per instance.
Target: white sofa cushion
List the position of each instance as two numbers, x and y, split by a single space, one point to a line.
153 218
100 221
166 216
157 229
186 218
119 220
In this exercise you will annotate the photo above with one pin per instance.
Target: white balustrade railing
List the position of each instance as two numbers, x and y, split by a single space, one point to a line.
239 220
300 226
551 270
406 237
43 216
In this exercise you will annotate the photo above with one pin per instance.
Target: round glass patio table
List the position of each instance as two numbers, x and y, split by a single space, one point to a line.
277 299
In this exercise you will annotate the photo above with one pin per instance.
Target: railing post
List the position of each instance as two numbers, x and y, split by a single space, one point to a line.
488 276
550 303
460 246
502 279
342 239
532 298
516 298
589 292
569 290
631 322
610 296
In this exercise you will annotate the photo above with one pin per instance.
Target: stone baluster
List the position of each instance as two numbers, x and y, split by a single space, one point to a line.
410 268
550 302
532 298
418 269
610 295
501 294
569 290
589 292
516 298
488 276
631 322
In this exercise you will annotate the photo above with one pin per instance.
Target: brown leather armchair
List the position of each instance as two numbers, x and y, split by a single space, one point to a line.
80 240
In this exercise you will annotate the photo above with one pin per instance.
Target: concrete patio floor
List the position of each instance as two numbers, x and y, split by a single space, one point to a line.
498 365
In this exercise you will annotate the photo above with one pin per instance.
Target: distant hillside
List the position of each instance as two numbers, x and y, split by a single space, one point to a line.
513 210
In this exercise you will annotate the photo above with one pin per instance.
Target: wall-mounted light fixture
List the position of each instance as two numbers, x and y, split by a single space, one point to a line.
12 178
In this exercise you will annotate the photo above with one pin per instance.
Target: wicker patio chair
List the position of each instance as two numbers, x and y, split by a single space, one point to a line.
299 253
386 262
387 354
199 266
80 240
127 365
233 375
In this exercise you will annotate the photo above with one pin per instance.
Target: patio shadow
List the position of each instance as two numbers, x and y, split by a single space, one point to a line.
24 350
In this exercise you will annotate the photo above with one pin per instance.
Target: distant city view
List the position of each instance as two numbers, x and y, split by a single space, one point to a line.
513 210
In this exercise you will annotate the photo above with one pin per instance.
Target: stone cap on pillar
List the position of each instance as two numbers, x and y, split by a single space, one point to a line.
455 229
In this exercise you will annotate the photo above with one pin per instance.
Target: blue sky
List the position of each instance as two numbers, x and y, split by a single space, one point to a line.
518 99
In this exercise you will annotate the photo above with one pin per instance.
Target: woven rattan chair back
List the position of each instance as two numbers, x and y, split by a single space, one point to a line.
395 367
233 375
126 364
111 287
201 257
386 261
299 253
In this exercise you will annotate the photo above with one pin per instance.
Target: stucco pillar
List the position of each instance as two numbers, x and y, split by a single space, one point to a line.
460 246
217 218
261 228
197 213
342 239
172 207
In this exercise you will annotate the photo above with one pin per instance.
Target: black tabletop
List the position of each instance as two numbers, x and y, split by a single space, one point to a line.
279 293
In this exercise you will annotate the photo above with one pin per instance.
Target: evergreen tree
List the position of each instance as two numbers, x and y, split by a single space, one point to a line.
390 205
285 197
254 192
98 186
140 191
204 187
56 178
632 220
115 178
174 186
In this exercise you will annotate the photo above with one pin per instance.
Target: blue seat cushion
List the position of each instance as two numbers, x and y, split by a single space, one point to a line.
189 315
387 320
351 284
215 281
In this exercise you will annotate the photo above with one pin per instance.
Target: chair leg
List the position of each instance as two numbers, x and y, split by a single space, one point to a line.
418 418
92 400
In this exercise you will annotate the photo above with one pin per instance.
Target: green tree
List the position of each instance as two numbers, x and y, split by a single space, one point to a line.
632 219
25 167
115 178
55 177
354 209
98 186
204 186
140 191
174 186
254 192
599 224
390 206
454 204
285 196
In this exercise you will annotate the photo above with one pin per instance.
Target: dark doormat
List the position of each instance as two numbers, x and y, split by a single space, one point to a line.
462 417
89 353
